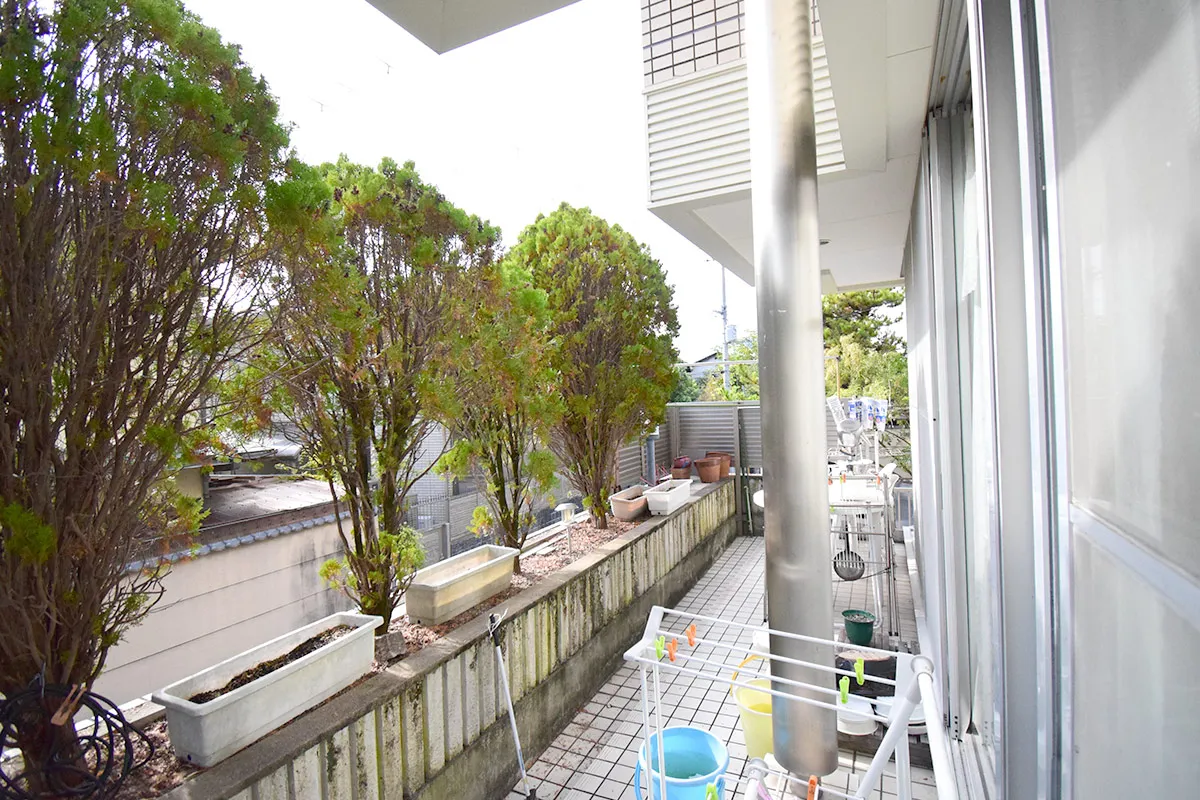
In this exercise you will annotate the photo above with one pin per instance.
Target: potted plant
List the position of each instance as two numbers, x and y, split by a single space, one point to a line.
681 468
860 626
213 714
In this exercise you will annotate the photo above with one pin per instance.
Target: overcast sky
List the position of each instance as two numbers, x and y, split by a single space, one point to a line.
507 127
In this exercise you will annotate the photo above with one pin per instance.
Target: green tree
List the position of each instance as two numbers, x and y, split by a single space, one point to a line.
502 411
378 292
687 389
613 324
859 371
135 151
743 378
858 315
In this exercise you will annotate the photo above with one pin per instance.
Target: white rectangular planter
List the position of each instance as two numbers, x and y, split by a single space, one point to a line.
628 504
450 587
207 733
668 496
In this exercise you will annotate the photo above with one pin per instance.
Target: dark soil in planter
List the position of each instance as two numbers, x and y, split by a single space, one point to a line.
267 667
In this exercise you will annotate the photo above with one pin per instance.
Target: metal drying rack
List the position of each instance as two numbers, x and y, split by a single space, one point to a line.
764 782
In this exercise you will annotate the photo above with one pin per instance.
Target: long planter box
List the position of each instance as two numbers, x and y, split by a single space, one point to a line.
668 496
206 733
629 504
448 588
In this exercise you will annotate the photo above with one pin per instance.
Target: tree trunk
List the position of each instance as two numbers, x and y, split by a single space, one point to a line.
378 607
40 742
599 517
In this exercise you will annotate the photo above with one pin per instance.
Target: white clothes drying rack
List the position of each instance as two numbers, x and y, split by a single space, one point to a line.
763 782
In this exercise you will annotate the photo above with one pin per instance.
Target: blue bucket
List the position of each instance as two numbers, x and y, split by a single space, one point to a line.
695 758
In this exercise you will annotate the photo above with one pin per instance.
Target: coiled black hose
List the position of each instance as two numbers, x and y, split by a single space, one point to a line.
93 765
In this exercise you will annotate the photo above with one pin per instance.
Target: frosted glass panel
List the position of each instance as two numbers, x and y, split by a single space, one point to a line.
1137 686
1126 83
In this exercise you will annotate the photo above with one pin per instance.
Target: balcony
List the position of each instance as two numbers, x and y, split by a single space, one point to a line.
596 753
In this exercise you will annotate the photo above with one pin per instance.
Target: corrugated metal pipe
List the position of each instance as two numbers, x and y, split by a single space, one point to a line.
791 368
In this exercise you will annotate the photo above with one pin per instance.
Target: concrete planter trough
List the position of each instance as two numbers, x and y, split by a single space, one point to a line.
450 587
629 504
206 733
668 496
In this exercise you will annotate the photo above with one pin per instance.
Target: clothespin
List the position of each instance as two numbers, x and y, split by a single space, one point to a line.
672 649
859 669
66 709
691 634
813 782
844 685
659 645
710 792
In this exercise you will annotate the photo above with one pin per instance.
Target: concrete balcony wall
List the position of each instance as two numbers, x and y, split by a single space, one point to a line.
434 725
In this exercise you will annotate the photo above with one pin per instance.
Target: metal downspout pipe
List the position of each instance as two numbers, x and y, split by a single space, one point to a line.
792 368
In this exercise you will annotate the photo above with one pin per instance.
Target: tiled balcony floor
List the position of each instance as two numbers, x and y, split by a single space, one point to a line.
594 756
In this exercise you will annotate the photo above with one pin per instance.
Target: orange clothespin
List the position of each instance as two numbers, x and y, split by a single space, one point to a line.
673 648
66 709
691 634
812 787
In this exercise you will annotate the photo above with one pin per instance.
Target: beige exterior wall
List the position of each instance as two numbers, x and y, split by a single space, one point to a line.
222 603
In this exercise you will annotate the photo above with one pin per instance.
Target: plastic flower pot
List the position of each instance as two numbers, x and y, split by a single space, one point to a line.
726 460
709 469
629 504
860 626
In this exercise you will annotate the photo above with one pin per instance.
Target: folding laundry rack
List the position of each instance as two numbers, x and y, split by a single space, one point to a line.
675 642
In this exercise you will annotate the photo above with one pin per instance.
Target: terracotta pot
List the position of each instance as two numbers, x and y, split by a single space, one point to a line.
681 473
726 460
709 469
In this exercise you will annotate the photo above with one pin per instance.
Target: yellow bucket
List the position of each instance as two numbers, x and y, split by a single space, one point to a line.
754 709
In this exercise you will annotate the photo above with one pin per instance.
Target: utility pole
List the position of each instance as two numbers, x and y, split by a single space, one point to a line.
725 330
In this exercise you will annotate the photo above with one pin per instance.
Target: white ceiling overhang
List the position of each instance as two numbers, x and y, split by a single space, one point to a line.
880 54
443 25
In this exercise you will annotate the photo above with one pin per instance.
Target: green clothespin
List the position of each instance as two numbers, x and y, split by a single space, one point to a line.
844 685
659 645
859 669
710 792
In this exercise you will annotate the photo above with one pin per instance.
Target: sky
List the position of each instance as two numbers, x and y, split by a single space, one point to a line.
507 127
